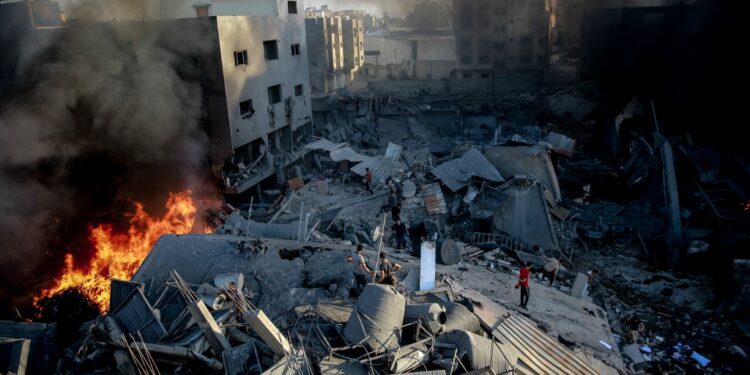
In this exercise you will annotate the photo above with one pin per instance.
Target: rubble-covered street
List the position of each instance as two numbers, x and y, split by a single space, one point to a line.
427 187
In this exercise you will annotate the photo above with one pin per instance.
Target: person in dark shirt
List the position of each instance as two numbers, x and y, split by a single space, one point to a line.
387 274
396 212
399 231
368 181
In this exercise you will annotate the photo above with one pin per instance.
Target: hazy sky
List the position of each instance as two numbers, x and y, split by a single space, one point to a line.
393 7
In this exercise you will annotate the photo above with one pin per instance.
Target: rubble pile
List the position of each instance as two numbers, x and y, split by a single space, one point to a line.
483 187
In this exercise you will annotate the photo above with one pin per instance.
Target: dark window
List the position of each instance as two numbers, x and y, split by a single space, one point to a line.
246 109
292 6
485 75
298 90
271 50
540 58
295 49
467 75
274 94
240 58
525 58
526 41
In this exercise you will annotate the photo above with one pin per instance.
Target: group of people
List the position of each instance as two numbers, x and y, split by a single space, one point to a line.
363 274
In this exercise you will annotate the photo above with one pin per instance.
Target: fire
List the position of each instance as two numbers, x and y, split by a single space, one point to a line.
119 254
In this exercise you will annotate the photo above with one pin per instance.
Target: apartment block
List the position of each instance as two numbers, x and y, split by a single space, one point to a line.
496 38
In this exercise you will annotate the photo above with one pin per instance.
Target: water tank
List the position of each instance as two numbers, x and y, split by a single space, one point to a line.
479 352
379 314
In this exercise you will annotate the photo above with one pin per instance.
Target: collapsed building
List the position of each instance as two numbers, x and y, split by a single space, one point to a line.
485 186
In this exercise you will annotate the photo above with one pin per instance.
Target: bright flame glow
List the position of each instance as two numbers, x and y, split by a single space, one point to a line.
118 255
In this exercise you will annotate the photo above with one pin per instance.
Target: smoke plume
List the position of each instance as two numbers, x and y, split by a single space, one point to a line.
100 115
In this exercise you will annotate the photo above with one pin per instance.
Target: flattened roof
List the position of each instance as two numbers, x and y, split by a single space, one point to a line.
457 173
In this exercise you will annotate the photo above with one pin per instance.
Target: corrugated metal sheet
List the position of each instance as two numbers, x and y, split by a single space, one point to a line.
381 168
348 153
434 202
457 173
324 144
119 291
539 352
136 315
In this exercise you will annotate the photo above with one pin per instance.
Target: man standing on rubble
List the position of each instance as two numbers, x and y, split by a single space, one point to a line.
523 284
396 212
399 231
360 268
388 271
368 181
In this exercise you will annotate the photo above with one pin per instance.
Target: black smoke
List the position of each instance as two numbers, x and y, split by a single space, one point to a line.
98 115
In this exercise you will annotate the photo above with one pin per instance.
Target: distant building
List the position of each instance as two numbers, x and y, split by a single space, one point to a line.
409 54
497 38
325 53
336 48
312 12
371 23
255 80
354 46
431 14
566 30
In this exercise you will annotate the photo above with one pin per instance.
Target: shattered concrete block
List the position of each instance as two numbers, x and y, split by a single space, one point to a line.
633 352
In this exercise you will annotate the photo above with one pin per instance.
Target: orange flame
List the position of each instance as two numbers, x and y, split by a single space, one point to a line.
118 255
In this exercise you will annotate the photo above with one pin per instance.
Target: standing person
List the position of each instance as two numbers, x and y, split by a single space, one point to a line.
551 267
399 187
387 274
396 212
368 181
590 276
523 284
361 270
399 231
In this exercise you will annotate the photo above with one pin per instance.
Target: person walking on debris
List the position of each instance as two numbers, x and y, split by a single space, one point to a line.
523 284
360 268
396 212
399 231
368 181
551 267
388 271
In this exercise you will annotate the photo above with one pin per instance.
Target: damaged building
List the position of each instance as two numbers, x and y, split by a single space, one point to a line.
385 198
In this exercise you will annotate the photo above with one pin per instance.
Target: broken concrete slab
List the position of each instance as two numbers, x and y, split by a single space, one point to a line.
525 160
457 173
633 352
525 215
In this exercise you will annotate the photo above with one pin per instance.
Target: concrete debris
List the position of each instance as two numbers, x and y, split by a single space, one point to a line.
484 186
458 173
525 215
531 161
